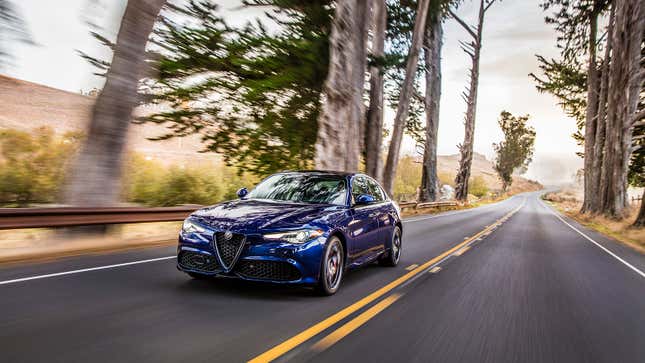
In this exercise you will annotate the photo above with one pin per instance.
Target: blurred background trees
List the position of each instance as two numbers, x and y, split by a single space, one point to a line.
257 94
473 49
603 92
12 28
95 177
253 95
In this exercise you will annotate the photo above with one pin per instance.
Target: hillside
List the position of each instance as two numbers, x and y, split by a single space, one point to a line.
26 106
447 165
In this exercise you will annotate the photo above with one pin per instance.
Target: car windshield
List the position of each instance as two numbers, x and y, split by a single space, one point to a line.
302 188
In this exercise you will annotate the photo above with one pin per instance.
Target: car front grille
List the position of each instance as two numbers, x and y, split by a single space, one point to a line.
198 262
267 270
229 248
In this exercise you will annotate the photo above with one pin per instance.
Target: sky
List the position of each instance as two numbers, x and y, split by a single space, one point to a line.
514 32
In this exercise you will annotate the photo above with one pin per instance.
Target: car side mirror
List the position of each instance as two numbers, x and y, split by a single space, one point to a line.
364 199
242 192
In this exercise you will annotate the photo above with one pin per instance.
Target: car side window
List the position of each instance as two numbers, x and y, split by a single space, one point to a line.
375 190
359 186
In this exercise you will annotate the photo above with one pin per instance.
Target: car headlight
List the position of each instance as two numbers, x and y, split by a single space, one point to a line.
299 236
191 227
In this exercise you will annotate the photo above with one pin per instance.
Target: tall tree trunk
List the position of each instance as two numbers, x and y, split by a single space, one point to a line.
626 79
339 124
640 219
590 192
601 121
433 42
96 174
374 127
473 49
403 107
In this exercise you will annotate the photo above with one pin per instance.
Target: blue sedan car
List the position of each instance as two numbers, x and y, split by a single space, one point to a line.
305 227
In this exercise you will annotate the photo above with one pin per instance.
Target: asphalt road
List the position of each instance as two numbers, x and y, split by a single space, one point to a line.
508 282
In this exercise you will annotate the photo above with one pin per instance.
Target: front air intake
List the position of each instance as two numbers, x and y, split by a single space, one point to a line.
228 247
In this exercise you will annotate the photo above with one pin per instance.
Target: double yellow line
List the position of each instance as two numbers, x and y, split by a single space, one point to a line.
318 328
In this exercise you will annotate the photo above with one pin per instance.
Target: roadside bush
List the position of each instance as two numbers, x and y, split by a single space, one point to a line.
477 186
32 165
408 177
150 183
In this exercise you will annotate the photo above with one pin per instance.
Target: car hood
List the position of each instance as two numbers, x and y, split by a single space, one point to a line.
247 216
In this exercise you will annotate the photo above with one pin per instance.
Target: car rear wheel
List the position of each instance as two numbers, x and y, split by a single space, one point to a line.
332 267
394 254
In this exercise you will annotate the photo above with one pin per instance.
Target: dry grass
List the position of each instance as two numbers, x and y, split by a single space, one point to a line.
569 203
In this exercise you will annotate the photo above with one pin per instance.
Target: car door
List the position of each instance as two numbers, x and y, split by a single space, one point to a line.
382 214
364 227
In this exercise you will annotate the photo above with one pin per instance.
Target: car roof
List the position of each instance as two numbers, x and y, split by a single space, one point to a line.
320 172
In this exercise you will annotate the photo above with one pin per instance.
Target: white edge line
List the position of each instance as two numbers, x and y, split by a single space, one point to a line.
592 241
6 282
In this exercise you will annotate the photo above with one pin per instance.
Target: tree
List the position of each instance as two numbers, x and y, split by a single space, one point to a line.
515 152
433 42
95 176
473 49
253 95
405 96
374 126
637 164
626 78
597 182
339 124
640 219
588 95
12 27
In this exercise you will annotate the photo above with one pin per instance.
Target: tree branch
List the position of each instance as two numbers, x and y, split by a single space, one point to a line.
488 5
418 96
463 24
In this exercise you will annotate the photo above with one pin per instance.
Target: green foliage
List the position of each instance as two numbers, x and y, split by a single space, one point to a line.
153 184
514 153
32 165
636 175
400 25
408 177
567 81
477 186
12 28
253 95
566 78
570 19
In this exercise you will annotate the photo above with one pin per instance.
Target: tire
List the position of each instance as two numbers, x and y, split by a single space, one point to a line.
332 267
393 256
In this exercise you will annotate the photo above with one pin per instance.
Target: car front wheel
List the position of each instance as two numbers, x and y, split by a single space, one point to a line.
332 268
392 257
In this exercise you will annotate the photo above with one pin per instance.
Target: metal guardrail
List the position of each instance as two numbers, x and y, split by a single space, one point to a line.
416 205
447 203
14 218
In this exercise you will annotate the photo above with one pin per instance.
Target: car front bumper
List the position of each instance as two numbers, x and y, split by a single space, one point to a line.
274 262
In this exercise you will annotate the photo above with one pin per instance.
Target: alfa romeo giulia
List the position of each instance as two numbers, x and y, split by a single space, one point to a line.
305 227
